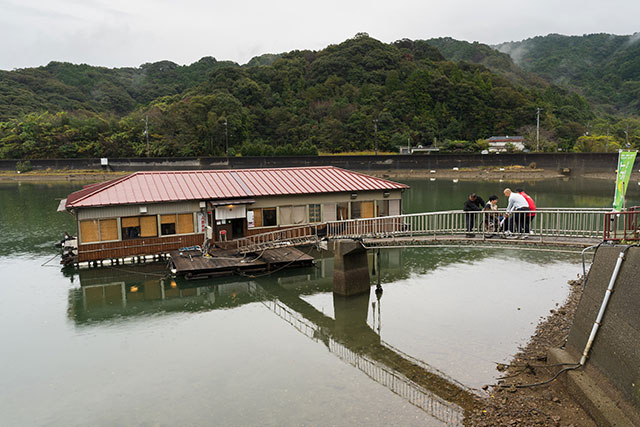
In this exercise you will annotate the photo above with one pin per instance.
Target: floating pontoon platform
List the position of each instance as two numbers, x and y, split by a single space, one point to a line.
193 264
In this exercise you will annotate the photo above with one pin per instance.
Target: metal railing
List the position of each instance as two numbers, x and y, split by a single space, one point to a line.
545 224
549 222
305 234
623 226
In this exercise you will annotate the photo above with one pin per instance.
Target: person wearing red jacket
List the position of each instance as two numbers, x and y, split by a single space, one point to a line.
532 209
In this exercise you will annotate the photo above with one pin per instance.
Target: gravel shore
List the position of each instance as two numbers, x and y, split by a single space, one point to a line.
486 174
505 404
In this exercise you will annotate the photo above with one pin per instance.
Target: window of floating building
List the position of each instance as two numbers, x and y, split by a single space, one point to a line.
367 209
94 230
314 213
293 215
139 226
108 229
168 224
148 226
185 223
329 212
285 215
362 210
342 211
130 227
176 224
382 207
395 207
263 217
256 214
269 217
89 231
355 210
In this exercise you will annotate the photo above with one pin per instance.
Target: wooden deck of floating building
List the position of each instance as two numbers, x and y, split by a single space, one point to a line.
221 262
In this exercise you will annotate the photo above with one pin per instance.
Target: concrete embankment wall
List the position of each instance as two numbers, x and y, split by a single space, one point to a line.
578 163
615 355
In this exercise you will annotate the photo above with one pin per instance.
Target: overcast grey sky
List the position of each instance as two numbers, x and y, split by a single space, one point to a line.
118 33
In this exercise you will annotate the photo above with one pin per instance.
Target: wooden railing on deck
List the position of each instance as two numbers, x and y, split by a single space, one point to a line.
305 234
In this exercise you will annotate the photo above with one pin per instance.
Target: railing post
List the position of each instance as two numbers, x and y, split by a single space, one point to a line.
434 225
411 226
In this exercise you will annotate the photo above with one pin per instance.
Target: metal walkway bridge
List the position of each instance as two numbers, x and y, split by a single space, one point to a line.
572 227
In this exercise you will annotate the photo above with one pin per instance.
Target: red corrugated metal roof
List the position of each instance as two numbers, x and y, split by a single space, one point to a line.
174 186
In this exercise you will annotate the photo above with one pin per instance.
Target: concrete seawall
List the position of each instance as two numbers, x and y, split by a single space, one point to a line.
614 361
578 163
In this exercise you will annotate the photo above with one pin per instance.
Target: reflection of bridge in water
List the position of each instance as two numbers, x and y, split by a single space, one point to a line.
349 337
120 295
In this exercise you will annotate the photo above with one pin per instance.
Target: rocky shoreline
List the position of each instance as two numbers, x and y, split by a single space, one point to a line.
60 176
491 174
517 173
505 404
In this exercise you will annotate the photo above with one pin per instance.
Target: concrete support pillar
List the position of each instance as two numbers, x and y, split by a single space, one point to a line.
350 268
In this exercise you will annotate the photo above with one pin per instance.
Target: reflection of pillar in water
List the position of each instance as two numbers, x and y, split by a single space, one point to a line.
373 314
393 258
379 289
379 284
379 297
350 313
376 314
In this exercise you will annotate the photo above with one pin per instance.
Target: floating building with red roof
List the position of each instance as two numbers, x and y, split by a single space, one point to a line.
148 213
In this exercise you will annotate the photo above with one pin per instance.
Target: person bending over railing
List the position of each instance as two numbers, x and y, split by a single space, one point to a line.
516 212
528 218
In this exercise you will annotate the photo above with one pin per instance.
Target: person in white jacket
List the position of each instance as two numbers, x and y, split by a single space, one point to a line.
515 211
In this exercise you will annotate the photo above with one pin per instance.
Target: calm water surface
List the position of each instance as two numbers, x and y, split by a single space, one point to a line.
133 347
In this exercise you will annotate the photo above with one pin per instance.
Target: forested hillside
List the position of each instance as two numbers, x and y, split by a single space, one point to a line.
479 53
291 103
67 87
603 67
576 64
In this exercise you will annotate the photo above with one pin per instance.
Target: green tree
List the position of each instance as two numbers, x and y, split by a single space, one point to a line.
596 144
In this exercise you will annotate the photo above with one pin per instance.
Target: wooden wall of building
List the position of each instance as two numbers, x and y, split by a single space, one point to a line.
143 246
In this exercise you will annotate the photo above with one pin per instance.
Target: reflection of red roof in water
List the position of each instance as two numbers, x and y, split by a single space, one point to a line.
173 186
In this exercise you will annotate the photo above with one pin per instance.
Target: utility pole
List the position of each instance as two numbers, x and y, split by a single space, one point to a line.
375 134
146 131
626 136
538 129
226 138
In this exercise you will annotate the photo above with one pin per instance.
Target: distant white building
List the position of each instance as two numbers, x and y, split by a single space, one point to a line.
498 144
419 150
